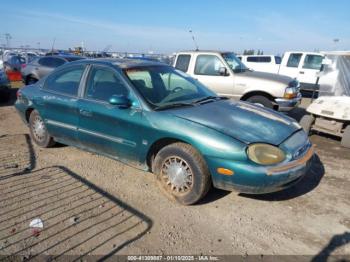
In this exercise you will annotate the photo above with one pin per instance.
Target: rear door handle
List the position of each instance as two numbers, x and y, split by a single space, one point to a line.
301 72
85 112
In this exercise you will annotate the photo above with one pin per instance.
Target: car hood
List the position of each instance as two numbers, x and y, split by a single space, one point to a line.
285 80
240 120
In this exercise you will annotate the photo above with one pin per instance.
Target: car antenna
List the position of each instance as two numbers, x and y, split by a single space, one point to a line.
53 44
194 40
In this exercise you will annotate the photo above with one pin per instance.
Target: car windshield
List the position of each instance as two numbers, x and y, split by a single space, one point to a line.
166 87
235 64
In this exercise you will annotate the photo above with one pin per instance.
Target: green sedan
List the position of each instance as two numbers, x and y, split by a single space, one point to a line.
156 118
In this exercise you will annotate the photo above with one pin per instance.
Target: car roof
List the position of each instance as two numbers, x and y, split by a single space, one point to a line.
203 51
63 56
119 62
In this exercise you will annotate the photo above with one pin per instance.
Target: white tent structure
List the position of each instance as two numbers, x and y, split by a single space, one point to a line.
334 79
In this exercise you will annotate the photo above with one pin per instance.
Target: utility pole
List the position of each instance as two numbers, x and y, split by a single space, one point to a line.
8 38
194 40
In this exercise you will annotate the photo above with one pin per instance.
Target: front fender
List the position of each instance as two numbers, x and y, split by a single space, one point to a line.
209 142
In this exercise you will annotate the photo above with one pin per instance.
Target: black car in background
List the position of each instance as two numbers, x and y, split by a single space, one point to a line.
44 65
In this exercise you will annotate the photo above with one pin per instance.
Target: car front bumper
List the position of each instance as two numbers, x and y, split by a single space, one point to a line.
254 179
288 104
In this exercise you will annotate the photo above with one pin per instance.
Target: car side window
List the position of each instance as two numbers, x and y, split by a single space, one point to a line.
183 62
278 60
103 83
65 81
293 60
253 59
313 62
56 62
208 65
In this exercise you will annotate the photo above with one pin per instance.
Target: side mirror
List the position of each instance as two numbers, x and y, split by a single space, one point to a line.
326 61
120 100
223 71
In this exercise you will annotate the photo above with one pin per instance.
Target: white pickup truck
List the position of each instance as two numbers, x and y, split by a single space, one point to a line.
225 74
304 66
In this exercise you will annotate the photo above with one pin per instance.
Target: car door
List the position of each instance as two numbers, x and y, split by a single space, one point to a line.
207 71
106 128
309 69
58 103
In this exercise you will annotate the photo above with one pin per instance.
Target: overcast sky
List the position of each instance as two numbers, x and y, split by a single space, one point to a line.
163 26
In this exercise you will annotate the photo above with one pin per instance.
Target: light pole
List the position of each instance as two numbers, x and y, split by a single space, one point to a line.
336 41
8 38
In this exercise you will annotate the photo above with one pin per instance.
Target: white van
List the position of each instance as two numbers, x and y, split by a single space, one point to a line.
262 63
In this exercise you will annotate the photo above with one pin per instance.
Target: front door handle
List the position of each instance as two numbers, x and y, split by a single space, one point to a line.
85 112
301 72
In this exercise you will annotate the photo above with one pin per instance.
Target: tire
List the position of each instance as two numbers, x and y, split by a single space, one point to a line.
38 131
306 123
31 80
345 141
5 96
261 101
192 182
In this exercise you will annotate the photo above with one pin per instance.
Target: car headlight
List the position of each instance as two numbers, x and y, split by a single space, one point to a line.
290 92
265 154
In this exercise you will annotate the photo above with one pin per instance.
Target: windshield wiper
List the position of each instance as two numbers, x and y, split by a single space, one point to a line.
172 106
208 99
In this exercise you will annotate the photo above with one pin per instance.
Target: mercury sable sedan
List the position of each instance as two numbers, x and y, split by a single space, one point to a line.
154 117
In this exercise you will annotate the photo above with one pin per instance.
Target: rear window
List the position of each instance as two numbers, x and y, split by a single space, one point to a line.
259 59
51 61
71 59
183 62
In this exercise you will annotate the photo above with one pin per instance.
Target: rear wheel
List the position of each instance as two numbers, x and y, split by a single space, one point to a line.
38 131
31 80
345 141
182 173
306 123
260 101
4 96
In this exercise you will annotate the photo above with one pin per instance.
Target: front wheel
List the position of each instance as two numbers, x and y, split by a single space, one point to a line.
31 81
306 123
182 173
38 131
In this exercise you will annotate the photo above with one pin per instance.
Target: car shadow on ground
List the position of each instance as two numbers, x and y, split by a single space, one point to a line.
79 218
308 183
297 113
326 253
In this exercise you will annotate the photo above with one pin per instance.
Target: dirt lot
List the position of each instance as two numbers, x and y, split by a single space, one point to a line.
90 204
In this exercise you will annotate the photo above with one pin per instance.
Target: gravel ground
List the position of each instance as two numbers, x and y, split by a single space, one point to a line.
90 204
